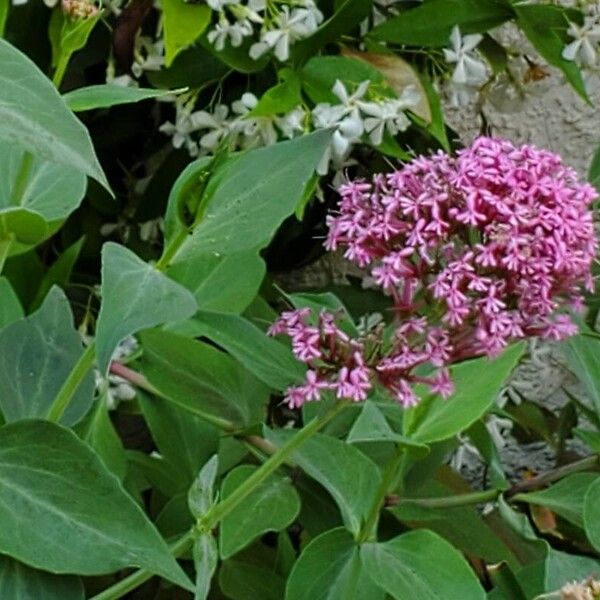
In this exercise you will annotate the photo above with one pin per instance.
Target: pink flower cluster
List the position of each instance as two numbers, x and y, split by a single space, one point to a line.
477 250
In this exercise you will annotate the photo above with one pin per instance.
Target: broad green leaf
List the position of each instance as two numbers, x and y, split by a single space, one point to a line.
97 431
67 36
175 517
10 307
202 380
372 426
206 557
36 196
348 15
36 356
565 498
135 296
506 585
267 359
224 283
243 581
545 26
272 506
201 495
20 582
594 171
321 72
420 564
591 513
38 119
431 23
281 98
330 568
346 473
59 273
184 23
107 95
583 357
435 419
252 194
561 568
62 511
590 438
183 439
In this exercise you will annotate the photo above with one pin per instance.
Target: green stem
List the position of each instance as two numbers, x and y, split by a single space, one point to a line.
137 578
171 250
22 178
221 509
76 376
61 69
369 528
453 501
137 379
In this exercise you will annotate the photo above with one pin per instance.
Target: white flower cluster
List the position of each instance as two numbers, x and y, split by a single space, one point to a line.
470 70
279 25
586 38
349 119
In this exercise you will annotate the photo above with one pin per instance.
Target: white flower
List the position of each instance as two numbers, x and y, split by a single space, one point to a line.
291 123
182 129
216 122
470 69
255 130
289 27
388 115
585 41
224 30
148 56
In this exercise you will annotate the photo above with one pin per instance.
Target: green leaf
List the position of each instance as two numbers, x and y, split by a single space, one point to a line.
281 98
590 438
10 307
591 513
346 473
206 557
484 442
62 511
347 16
421 564
594 171
561 568
184 23
107 95
20 582
372 426
67 35
97 431
267 359
321 72
183 439
202 380
36 356
35 195
330 568
243 581
218 282
135 296
583 358
545 26
4 10
202 495
39 120
565 498
431 23
435 419
59 273
272 506
253 193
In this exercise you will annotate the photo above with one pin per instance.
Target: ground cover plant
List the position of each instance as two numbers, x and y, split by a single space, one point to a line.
177 422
